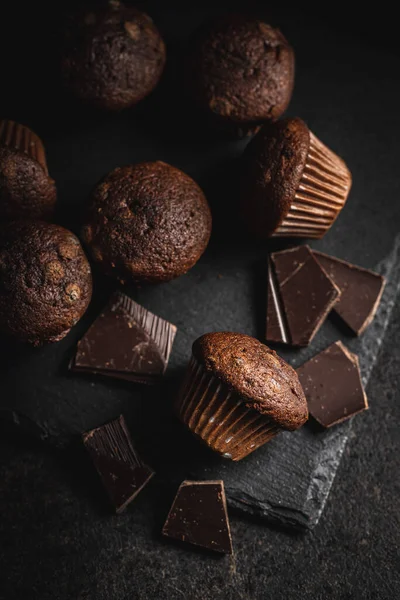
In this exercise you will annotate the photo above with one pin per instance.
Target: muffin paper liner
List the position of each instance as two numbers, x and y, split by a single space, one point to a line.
219 417
321 195
16 136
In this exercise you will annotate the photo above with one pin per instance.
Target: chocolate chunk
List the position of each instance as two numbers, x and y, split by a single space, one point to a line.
361 291
332 384
300 296
126 342
121 470
277 327
199 516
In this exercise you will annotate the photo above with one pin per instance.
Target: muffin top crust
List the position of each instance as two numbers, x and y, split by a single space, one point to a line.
256 373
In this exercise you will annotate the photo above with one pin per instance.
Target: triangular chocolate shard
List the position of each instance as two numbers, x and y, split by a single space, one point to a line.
300 296
199 516
332 384
120 468
126 342
361 291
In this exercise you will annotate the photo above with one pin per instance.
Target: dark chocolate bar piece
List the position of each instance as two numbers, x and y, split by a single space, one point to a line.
199 516
300 296
332 384
126 342
361 291
277 327
120 467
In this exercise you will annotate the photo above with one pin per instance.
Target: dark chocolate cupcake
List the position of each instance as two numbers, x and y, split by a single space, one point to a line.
240 72
148 222
26 190
113 56
45 281
238 394
293 185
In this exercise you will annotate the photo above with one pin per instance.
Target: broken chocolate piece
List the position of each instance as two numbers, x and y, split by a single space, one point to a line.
361 291
199 516
121 470
277 327
300 296
332 384
126 342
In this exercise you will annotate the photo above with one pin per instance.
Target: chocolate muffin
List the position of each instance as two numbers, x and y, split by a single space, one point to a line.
238 394
148 222
113 56
45 281
26 190
293 185
241 72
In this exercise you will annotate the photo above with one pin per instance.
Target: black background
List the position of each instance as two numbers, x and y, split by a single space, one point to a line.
57 539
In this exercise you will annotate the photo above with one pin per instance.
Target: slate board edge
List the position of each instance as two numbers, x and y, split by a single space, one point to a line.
389 267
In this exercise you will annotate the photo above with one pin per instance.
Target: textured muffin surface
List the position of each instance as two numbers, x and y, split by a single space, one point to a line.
45 281
113 57
241 69
26 191
256 373
147 222
273 164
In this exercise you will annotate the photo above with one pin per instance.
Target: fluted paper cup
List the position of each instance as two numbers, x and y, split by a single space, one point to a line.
18 137
321 194
219 417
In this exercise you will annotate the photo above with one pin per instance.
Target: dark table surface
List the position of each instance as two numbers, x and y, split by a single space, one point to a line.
57 538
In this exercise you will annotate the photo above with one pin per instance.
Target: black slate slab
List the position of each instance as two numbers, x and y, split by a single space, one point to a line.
289 479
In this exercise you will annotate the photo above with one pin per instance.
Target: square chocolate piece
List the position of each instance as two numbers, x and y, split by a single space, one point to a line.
361 291
126 342
120 467
300 296
199 516
332 384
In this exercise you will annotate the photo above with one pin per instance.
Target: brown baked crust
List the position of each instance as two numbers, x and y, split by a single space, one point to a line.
45 281
147 222
273 164
113 57
256 373
241 70
26 191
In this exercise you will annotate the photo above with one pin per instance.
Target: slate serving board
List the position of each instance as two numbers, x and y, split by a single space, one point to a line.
289 479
